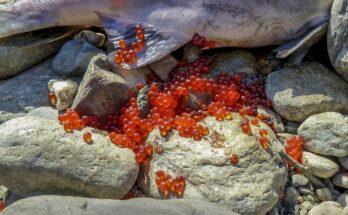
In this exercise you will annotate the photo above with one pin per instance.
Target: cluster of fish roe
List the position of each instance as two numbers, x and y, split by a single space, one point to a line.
293 148
170 109
128 55
166 184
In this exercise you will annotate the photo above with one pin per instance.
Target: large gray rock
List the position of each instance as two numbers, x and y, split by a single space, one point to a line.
301 91
38 156
338 37
74 57
250 187
319 166
101 91
326 134
57 205
14 59
26 91
232 62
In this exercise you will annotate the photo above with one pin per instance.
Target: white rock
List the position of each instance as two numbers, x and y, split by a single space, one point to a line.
64 90
341 180
319 166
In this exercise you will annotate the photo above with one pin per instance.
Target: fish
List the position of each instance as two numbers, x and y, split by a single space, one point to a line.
170 24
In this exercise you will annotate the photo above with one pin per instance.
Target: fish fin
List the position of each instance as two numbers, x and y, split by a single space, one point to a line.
159 41
302 43
46 38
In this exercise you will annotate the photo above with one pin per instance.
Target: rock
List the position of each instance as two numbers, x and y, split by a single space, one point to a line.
101 91
163 67
44 113
337 37
25 92
95 39
326 134
342 200
57 205
14 59
290 197
326 208
341 180
299 180
3 193
64 90
38 156
309 198
232 62
191 52
344 162
255 181
143 101
305 191
307 205
298 92
74 57
324 194
275 118
291 127
319 166
133 77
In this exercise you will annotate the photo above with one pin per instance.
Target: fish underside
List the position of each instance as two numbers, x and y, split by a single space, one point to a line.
170 24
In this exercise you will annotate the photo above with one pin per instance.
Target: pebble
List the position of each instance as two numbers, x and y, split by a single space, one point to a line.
299 180
343 199
318 165
326 208
326 134
341 180
64 91
324 194
290 197
298 92
344 162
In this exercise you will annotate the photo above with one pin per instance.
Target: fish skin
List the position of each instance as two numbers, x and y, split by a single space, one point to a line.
229 23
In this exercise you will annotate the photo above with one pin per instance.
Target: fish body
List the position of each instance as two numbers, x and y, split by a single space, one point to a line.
229 23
